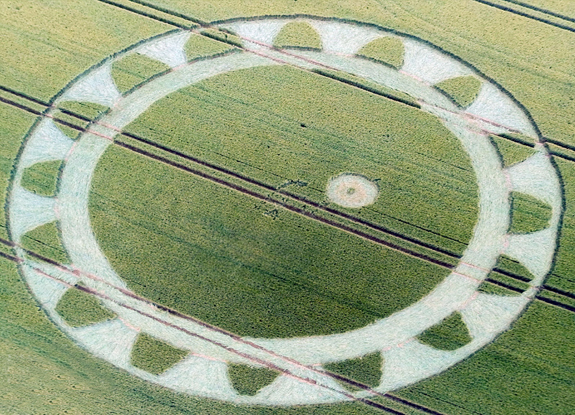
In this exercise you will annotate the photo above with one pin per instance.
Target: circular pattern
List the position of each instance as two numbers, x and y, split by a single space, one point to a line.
352 191
204 371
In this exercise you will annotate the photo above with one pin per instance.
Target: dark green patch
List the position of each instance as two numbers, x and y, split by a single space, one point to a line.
509 281
368 86
42 178
45 240
450 334
134 69
69 131
388 50
223 36
528 214
510 265
512 152
365 370
248 380
490 288
462 90
79 308
153 355
87 109
298 35
226 262
201 46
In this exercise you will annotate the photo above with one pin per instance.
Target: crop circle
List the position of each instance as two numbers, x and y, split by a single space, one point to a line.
301 380
351 191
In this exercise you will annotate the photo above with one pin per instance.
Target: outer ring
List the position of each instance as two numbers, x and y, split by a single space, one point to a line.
406 359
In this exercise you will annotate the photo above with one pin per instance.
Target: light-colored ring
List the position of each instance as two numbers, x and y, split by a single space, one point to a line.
406 360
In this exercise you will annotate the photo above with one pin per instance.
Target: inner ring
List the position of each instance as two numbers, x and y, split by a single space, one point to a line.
457 288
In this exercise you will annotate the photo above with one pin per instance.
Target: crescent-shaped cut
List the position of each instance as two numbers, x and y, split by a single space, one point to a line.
111 340
343 38
256 34
197 375
168 50
487 315
499 112
204 372
535 251
290 390
429 64
47 143
413 361
536 177
28 211
97 87
48 291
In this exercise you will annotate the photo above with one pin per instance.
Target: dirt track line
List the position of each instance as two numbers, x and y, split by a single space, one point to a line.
539 9
311 215
294 209
527 15
218 330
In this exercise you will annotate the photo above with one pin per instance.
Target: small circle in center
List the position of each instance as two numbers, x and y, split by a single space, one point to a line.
352 190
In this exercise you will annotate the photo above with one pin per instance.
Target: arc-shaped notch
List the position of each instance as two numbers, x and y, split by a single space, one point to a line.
153 355
111 340
388 50
535 251
47 143
78 308
248 380
431 65
412 362
168 50
499 112
307 387
487 314
537 177
28 211
48 291
97 87
200 376
257 33
298 34
342 38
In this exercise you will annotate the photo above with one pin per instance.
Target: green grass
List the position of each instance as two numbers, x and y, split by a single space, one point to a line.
299 35
44 372
86 109
15 123
450 334
368 85
489 288
528 214
248 380
79 308
153 355
388 50
42 178
366 370
202 46
223 37
523 372
511 152
134 69
563 275
48 43
45 241
463 90
281 124
233 265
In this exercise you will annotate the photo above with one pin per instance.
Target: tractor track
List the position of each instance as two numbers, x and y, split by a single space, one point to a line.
304 212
